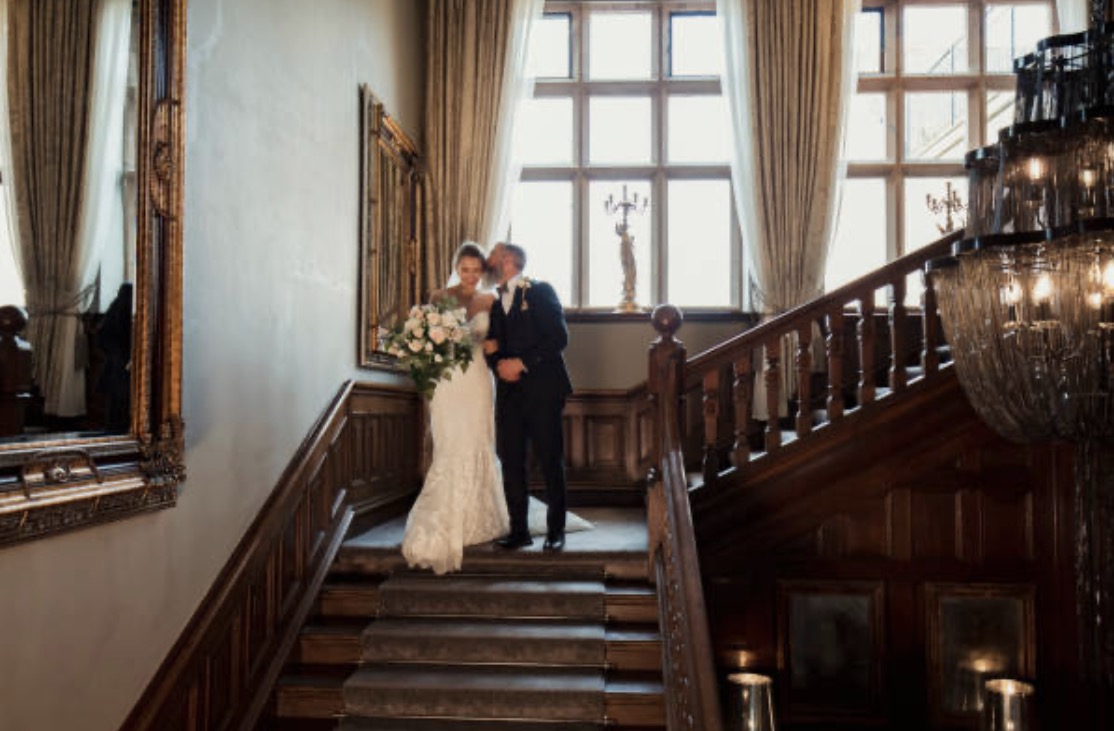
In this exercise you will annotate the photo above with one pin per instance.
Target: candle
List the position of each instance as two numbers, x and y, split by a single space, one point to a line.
1088 177
1036 168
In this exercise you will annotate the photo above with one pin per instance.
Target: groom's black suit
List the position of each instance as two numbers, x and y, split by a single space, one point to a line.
529 410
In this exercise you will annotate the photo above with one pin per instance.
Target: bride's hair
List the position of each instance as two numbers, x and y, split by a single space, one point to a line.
469 250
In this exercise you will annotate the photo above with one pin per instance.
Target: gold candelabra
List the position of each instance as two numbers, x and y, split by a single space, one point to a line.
624 207
950 204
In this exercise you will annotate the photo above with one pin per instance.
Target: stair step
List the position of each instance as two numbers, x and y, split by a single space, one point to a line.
566 694
513 642
635 700
309 695
632 603
471 596
463 724
633 649
630 700
331 643
349 599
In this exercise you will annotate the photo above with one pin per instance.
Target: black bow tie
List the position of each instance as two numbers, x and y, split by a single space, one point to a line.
503 289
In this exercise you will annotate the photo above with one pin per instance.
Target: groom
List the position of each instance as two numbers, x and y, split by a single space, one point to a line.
529 333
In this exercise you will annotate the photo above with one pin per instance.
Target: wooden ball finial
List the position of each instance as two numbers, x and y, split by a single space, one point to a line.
667 320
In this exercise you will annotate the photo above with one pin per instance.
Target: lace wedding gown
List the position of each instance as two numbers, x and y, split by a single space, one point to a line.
462 500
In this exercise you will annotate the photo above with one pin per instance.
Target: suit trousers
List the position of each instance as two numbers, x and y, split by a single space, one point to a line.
531 421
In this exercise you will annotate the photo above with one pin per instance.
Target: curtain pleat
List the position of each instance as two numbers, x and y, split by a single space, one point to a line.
476 80
50 61
788 84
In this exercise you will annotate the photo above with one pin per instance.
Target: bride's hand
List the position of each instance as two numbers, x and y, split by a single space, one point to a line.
491 347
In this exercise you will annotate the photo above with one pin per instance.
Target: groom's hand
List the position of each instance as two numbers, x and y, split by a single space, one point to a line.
510 369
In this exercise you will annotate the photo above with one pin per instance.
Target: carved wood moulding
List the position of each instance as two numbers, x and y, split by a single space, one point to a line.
362 453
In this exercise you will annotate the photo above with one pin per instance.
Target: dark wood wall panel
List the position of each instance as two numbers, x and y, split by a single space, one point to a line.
937 528
608 444
361 455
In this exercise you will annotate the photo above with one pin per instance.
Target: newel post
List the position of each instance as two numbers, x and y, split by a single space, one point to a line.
666 377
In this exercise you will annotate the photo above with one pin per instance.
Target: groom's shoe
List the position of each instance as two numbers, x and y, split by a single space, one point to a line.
555 542
512 541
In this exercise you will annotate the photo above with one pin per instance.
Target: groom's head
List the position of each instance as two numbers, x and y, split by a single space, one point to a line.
513 261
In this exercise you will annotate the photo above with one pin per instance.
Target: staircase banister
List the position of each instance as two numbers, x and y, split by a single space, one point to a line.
724 352
691 685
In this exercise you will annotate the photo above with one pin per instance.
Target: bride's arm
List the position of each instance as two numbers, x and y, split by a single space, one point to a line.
438 295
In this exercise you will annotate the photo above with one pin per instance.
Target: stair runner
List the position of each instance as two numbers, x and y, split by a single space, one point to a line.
482 651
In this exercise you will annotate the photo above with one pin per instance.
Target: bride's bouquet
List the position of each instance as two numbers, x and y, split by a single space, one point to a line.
433 340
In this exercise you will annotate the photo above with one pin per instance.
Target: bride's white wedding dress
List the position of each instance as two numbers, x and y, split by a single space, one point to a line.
462 502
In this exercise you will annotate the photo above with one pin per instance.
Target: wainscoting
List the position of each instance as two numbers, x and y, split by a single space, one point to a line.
362 457
362 461
882 577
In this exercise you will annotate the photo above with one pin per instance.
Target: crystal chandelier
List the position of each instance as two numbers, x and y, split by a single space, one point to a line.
1027 300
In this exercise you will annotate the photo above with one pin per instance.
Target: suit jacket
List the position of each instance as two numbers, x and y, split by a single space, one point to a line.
534 330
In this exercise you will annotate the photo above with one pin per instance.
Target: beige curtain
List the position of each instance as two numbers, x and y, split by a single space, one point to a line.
475 81
50 59
788 83
1072 15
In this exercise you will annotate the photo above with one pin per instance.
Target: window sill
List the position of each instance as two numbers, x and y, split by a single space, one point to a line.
691 314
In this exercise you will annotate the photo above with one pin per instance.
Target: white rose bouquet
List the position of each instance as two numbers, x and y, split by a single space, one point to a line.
432 341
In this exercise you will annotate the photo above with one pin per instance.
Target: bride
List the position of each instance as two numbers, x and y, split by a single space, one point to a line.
462 501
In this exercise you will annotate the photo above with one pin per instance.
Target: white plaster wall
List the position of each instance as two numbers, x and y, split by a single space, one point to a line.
270 330
614 355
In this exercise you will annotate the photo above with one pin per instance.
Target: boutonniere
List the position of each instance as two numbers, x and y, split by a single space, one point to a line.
524 284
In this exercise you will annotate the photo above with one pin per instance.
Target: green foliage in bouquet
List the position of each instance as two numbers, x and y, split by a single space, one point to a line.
432 341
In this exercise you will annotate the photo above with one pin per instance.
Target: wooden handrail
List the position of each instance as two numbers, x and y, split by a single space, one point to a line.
691 694
691 686
849 320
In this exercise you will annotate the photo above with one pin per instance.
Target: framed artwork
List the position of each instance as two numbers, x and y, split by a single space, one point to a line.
976 633
830 646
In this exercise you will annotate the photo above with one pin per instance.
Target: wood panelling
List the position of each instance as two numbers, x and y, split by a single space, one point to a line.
608 442
940 507
361 455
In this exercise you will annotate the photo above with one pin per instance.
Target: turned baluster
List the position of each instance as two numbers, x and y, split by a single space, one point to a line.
743 390
835 363
899 322
804 380
866 349
930 356
773 393
711 426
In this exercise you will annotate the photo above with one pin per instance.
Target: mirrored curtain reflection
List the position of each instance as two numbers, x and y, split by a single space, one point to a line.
67 217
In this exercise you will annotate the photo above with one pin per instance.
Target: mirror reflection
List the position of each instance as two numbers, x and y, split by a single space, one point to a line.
67 217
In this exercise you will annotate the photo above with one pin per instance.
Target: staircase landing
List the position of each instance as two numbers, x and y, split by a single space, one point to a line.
617 544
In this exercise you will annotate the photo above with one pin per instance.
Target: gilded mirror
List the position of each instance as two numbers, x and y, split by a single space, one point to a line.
391 227
90 359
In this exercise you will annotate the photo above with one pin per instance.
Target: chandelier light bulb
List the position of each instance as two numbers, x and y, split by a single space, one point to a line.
1042 290
1011 293
1036 168
1088 177
1094 300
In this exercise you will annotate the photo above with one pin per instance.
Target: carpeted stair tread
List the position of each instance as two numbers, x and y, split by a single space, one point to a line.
574 694
471 596
459 641
463 724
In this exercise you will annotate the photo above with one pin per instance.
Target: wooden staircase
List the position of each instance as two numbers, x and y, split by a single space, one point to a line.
517 640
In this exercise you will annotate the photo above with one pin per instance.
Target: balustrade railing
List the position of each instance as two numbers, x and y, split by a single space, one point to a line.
868 352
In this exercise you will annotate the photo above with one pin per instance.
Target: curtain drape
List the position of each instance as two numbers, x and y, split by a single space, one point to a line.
1073 15
50 61
11 276
788 82
101 242
476 81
